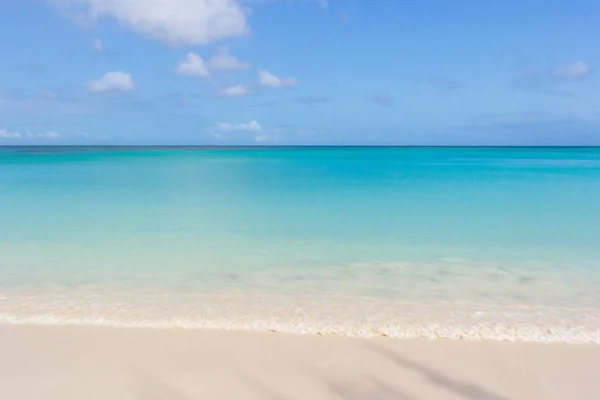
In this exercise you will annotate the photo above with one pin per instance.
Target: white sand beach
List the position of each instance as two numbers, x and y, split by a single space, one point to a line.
75 363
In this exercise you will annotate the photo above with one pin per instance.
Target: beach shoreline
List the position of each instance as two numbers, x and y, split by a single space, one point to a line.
75 362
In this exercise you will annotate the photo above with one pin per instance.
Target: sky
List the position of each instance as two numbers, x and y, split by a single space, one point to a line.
284 72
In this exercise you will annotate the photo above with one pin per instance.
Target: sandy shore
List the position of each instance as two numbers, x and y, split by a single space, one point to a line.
69 363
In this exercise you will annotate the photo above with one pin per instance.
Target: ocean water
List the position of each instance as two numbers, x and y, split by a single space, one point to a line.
457 243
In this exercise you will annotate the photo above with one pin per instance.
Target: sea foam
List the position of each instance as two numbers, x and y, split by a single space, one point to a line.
358 317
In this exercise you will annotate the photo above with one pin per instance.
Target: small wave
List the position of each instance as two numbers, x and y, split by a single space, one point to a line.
436 331
337 317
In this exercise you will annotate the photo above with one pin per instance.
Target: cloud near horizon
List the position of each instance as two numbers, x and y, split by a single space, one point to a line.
6 134
250 126
234 131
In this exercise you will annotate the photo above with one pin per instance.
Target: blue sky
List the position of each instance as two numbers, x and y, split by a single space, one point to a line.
412 72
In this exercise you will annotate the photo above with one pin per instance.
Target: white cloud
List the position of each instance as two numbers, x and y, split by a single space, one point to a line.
88 136
223 60
45 135
6 134
98 45
234 90
192 65
263 137
250 126
576 70
242 132
176 22
112 82
269 79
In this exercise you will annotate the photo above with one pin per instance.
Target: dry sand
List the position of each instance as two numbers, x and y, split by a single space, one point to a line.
79 363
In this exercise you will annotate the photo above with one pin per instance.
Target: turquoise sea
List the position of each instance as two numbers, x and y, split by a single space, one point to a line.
458 243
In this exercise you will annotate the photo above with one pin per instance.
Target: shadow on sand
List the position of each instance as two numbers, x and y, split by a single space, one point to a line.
378 390
151 387
458 388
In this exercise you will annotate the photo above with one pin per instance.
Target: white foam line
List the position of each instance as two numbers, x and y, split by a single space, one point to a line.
432 331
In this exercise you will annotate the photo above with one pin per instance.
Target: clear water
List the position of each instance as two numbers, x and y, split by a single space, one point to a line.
493 243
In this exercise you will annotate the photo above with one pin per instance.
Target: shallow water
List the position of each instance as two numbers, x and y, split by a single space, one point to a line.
498 243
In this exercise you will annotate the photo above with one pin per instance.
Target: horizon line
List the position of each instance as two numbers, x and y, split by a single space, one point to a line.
262 146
